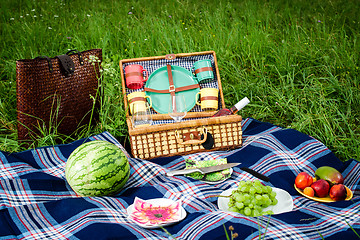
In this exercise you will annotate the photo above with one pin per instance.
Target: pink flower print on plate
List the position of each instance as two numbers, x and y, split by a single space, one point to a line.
156 212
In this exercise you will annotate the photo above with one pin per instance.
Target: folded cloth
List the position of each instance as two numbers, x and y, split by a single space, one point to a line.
37 203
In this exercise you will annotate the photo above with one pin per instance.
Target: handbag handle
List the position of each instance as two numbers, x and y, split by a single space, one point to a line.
81 59
49 62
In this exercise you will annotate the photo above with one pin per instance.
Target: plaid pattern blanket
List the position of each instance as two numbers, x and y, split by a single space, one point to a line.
37 203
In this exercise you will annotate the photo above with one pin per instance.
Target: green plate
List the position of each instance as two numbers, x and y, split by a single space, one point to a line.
159 80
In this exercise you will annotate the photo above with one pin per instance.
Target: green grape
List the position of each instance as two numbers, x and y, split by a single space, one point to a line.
235 195
269 212
256 213
247 201
241 198
259 189
265 196
241 183
251 197
245 189
257 183
258 208
239 205
247 211
272 195
268 202
268 189
233 209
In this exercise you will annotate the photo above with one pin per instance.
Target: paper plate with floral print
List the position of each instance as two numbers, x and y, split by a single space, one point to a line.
326 199
156 212
159 80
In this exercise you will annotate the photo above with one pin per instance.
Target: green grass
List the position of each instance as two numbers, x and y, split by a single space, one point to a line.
297 61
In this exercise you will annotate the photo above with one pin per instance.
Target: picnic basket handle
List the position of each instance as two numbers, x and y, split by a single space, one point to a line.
191 141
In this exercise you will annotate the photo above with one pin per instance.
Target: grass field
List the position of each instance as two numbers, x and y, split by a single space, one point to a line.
297 61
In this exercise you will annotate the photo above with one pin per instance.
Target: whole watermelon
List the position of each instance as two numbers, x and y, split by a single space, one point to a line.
97 168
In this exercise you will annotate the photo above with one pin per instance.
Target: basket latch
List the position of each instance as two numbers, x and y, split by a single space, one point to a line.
193 137
170 56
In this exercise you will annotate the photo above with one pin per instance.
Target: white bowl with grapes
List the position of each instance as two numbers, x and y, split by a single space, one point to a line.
252 199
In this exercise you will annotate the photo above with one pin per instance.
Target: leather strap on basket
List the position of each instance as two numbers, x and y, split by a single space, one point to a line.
134 74
209 98
172 90
171 87
171 81
178 89
67 65
204 69
137 99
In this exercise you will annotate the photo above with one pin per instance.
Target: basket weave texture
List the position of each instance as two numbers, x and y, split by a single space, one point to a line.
165 137
51 99
161 140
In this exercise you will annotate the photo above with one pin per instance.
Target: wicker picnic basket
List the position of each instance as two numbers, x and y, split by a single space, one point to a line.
197 132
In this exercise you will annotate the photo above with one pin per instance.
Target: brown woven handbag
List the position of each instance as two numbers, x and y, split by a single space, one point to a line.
57 92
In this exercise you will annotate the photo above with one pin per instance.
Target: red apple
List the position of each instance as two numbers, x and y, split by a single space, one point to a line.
338 192
321 188
303 180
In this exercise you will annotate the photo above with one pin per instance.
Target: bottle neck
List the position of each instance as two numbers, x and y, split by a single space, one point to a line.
233 110
242 103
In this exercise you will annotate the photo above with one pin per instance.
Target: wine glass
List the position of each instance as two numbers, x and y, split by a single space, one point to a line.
177 107
141 116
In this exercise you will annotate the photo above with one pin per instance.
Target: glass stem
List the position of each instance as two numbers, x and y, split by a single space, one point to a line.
174 103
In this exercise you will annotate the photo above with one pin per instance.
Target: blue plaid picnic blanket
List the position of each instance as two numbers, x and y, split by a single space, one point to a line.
37 203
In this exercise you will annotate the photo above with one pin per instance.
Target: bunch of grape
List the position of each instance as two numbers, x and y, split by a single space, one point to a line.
250 198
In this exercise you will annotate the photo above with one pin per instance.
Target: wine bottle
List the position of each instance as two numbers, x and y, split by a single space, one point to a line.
242 103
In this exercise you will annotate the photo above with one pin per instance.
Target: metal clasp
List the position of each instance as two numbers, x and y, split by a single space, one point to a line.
170 56
171 88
